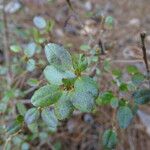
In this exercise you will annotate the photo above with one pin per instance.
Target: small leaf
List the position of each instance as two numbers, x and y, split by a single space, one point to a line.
107 65
109 139
123 87
39 22
83 101
25 146
58 56
85 47
30 49
33 82
49 118
109 22
142 96
114 102
15 48
64 108
87 85
21 108
80 63
13 127
33 127
117 73
138 78
46 95
132 69
55 75
32 115
30 65
124 116
105 98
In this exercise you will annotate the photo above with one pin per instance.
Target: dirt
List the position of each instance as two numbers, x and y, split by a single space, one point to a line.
131 17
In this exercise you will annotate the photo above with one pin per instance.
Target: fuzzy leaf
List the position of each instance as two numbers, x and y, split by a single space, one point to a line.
83 101
55 75
64 108
142 96
124 116
49 118
46 96
58 56
86 85
109 139
32 115
39 22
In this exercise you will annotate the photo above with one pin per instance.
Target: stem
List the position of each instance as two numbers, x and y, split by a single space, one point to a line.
6 45
143 36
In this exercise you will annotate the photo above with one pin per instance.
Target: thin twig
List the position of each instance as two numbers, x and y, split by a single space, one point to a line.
143 36
6 45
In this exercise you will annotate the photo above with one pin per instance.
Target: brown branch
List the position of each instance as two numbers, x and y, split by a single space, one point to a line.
143 36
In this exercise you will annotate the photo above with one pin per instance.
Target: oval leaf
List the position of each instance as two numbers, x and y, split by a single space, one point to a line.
58 56
32 115
46 96
39 22
49 118
55 75
64 108
86 85
124 116
83 101
109 139
142 96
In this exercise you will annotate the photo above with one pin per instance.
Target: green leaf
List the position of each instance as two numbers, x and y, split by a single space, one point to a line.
85 47
123 87
64 108
83 101
13 127
32 115
80 63
117 73
55 75
109 139
107 65
109 22
49 118
105 98
114 102
132 69
50 25
39 22
33 82
138 78
15 48
68 82
86 85
30 49
124 116
142 96
58 56
33 127
46 95
21 108
30 65
25 146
